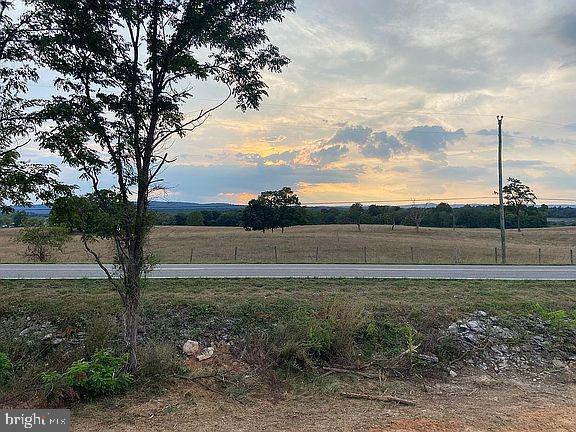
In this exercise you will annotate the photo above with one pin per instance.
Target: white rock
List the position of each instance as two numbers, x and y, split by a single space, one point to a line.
191 347
205 354
453 373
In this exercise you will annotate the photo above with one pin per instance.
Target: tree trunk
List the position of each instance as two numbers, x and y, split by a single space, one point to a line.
282 230
131 301
518 221
131 330
359 229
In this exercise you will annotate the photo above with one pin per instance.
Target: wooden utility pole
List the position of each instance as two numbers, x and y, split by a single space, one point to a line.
500 193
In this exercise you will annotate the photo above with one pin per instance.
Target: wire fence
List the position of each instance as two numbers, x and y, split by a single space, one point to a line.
369 254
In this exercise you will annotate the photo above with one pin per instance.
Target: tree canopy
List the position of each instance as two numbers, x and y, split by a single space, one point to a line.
19 180
273 209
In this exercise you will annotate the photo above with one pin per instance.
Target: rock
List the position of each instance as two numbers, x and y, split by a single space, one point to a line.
191 347
205 354
453 373
558 363
474 326
47 337
428 358
57 341
25 332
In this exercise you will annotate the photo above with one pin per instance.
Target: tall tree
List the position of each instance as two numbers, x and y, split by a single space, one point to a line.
125 67
287 207
19 180
518 197
259 215
355 213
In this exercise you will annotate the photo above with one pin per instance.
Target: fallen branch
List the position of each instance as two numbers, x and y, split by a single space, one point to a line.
378 398
352 371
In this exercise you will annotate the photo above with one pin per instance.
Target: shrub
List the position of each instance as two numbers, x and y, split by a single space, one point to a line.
339 331
157 362
41 241
102 375
6 368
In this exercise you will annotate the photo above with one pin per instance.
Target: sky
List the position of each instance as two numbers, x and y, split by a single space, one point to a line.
390 100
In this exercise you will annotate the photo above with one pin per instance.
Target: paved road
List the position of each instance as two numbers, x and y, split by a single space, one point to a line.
79 271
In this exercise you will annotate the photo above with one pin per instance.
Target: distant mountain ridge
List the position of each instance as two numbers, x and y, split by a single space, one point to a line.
159 206
187 207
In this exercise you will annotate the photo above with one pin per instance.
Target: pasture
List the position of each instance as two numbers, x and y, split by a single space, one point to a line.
329 244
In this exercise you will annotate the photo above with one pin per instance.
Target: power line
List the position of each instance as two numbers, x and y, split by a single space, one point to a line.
375 110
423 201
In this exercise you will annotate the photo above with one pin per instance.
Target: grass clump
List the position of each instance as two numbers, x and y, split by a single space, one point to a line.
558 319
157 362
339 331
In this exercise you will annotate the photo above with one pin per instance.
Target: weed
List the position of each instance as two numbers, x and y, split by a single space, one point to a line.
101 333
100 376
6 368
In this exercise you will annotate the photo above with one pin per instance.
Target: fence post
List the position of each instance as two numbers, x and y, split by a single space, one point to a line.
235 253
571 257
496 255
412 252
539 256
275 254
365 255
456 255
317 250
191 254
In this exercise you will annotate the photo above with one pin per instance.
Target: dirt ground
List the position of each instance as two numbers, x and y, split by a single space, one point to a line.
478 402
334 243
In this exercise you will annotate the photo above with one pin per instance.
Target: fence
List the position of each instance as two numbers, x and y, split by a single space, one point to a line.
367 255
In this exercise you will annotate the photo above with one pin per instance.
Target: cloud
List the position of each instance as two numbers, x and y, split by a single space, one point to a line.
351 134
199 183
487 132
566 29
329 154
432 139
381 146
255 158
525 164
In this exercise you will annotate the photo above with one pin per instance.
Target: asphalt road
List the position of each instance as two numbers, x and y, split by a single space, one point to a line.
79 271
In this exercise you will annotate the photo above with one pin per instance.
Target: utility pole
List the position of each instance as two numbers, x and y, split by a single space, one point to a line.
500 192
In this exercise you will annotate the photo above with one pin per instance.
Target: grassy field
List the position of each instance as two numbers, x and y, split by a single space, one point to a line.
67 301
335 244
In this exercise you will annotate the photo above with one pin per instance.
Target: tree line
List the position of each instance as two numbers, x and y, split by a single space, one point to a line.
441 216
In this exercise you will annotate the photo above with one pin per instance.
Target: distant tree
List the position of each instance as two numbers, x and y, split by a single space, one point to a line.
19 218
355 214
42 241
518 197
195 219
273 209
259 214
287 208
416 214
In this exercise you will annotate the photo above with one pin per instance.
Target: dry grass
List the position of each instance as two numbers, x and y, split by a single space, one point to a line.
336 244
